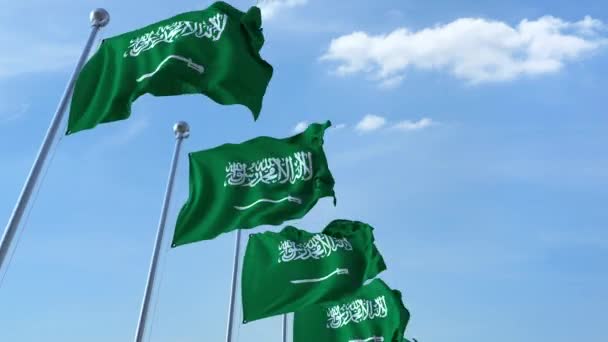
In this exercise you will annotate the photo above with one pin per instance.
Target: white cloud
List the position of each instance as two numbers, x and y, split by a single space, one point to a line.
337 127
13 113
128 132
370 123
391 82
300 127
407 125
472 49
29 55
303 125
270 8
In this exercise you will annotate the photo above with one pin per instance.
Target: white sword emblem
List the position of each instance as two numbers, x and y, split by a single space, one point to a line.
371 339
338 271
197 67
288 198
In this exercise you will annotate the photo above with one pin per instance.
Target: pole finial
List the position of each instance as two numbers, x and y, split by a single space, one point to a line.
99 17
181 129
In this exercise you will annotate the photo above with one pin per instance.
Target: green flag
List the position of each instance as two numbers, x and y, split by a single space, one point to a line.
287 271
213 52
261 181
375 313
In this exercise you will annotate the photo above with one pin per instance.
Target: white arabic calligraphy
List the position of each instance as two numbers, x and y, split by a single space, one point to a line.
318 247
212 29
292 169
356 312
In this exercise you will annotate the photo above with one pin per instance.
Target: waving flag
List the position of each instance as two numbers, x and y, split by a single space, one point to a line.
261 181
287 271
213 52
375 313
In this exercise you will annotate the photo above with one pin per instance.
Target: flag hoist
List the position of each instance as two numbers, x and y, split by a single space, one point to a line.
99 18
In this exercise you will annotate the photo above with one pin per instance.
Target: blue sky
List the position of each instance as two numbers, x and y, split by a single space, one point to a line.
471 135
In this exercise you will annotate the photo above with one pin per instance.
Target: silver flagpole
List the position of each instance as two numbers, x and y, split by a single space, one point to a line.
235 269
182 131
99 18
284 327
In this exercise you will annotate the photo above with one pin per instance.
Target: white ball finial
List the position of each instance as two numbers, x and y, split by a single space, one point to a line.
181 129
99 17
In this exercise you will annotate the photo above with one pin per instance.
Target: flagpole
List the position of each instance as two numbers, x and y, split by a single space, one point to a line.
284 327
99 18
235 269
182 131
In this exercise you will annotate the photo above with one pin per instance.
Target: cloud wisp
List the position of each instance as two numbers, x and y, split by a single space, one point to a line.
300 127
371 123
270 8
303 125
24 56
408 125
13 113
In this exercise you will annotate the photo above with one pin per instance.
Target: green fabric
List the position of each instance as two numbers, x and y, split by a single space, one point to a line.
213 52
261 181
287 271
375 313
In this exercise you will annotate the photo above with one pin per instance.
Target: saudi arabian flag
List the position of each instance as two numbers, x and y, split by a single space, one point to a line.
214 52
375 313
287 271
261 181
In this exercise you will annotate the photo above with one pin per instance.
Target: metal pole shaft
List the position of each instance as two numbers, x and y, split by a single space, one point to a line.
284 327
99 18
235 269
181 132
